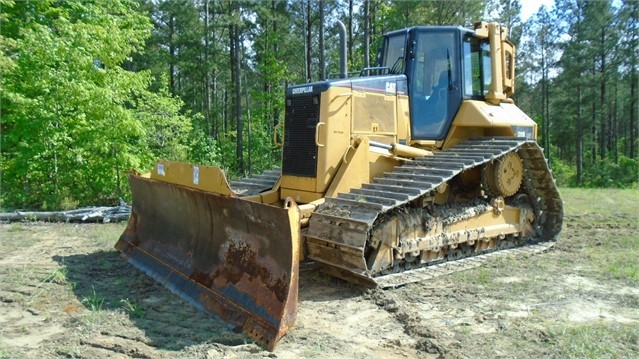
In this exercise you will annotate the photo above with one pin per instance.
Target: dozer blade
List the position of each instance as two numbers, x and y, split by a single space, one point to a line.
230 257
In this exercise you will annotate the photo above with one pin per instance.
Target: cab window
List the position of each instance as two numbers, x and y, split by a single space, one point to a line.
477 67
434 89
394 53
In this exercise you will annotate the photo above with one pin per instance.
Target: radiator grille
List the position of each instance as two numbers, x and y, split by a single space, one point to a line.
299 156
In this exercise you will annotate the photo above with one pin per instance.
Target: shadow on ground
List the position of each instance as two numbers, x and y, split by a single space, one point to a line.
316 286
106 280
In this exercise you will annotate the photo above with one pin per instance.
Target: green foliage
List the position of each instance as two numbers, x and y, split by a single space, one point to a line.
400 14
565 174
203 149
607 173
68 204
74 121
581 77
601 174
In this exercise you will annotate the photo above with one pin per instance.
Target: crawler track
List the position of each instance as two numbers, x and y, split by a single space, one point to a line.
343 232
445 268
254 185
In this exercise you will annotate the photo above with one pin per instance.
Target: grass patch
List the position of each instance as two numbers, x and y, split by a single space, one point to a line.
622 267
618 204
594 340
16 227
595 214
482 276
4 353
58 276
94 301
316 347
613 258
132 308
106 235
11 241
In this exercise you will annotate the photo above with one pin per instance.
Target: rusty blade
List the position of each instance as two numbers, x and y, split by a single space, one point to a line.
229 257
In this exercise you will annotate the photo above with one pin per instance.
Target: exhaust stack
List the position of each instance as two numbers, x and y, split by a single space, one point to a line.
342 50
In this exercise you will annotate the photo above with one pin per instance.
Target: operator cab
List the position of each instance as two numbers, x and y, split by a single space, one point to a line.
444 66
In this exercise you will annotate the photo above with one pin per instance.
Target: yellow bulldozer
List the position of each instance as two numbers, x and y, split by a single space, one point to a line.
420 160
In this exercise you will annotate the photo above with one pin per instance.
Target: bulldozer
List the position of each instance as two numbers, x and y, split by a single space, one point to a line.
420 160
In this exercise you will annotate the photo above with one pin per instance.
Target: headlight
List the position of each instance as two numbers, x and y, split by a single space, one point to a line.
523 132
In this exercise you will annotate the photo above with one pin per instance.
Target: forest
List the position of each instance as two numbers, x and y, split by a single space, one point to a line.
93 90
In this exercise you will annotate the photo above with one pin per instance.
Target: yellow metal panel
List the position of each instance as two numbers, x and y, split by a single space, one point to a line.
494 224
479 118
387 139
458 134
335 113
297 182
374 113
270 197
301 196
475 113
205 178
403 119
496 92
353 172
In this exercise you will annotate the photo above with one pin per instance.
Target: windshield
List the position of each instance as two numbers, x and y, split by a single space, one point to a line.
394 53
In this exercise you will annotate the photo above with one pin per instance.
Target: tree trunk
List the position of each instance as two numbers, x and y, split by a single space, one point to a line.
580 140
367 34
350 34
373 19
234 34
276 50
309 29
171 55
596 138
612 110
633 117
207 81
248 121
322 60
545 100
216 126
226 108
605 138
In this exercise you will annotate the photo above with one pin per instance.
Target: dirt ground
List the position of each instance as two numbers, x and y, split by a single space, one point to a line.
65 292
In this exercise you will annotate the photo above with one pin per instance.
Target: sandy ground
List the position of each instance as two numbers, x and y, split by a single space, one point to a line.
65 292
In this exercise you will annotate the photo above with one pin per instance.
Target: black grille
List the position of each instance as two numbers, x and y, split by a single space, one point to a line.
300 152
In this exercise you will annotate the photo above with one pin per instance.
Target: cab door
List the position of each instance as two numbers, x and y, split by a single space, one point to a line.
434 82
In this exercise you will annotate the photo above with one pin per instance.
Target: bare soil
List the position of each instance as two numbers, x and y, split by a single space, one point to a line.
65 292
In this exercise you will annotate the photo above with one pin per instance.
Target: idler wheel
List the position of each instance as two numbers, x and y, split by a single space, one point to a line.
503 176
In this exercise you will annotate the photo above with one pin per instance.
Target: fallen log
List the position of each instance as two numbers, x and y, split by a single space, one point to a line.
80 215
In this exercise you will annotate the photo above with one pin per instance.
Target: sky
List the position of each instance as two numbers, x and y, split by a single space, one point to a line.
529 7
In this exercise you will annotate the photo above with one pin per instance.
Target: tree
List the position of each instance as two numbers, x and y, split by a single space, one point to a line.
508 14
539 59
74 121
629 47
